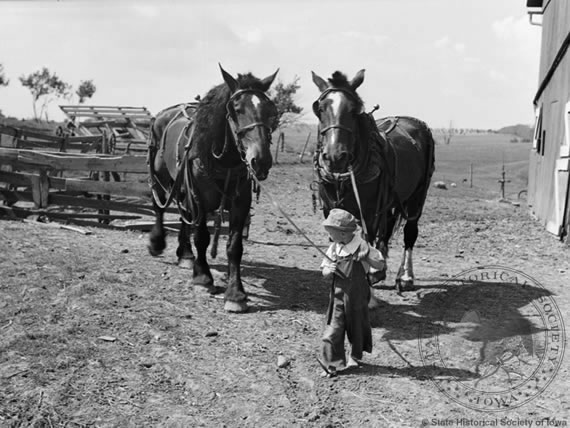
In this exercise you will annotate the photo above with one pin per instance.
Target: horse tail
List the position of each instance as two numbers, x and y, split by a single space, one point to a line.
153 143
430 155
429 147
152 147
430 167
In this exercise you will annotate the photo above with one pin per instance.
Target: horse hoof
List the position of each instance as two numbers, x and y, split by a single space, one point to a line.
154 252
186 263
236 307
404 285
203 281
377 276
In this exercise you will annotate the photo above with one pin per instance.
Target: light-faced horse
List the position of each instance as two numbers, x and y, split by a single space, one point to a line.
380 172
203 157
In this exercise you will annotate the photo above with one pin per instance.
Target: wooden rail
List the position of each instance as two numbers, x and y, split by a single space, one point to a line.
56 179
32 182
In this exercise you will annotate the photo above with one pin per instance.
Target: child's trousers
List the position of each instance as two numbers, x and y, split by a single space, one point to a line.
347 313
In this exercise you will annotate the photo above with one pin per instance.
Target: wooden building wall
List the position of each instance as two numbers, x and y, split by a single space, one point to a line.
548 172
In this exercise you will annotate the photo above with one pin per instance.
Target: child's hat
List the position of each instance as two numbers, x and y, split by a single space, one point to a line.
341 220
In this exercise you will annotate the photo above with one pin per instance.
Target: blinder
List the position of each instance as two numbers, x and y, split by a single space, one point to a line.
316 108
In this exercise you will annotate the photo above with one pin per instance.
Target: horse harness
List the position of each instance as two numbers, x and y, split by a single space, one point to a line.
380 148
192 213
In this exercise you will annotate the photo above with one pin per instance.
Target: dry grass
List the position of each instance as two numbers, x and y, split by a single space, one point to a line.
95 332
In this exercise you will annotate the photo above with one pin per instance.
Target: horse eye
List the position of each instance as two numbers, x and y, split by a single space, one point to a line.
238 107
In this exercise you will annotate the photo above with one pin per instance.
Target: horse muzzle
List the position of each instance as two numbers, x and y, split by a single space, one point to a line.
338 163
260 169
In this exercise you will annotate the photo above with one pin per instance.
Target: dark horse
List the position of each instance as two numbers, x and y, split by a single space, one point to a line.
203 156
380 172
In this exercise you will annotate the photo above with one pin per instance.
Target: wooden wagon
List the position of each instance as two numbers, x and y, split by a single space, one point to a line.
126 127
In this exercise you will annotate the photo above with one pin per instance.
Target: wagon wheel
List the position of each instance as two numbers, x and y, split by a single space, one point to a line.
112 144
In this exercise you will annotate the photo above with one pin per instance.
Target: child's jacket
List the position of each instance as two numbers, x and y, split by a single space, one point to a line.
343 256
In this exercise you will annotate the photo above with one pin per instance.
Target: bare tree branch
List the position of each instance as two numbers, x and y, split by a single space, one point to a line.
3 79
47 85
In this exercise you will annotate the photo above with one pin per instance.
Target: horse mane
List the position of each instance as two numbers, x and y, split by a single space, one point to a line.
339 80
210 118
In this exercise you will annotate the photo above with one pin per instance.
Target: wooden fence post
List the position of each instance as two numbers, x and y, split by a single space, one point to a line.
105 149
304 148
502 182
35 173
40 189
281 137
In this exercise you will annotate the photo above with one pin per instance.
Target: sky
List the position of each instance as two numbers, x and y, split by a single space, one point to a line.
472 63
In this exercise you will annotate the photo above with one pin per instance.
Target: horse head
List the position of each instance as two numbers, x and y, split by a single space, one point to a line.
337 109
252 116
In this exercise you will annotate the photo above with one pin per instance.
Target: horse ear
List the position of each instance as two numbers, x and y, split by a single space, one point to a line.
266 83
319 81
357 81
230 81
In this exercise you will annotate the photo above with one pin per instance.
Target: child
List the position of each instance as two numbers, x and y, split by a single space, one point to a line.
348 260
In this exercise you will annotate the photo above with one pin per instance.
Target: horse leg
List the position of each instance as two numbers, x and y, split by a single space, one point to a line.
235 297
157 241
380 275
159 174
184 250
405 276
202 275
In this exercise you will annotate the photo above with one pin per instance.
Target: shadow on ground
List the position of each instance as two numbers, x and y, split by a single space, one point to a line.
492 310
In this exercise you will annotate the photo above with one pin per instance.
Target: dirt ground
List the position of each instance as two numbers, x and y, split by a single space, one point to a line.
96 332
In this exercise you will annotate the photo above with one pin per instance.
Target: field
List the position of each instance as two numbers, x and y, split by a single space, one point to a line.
487 152
96 332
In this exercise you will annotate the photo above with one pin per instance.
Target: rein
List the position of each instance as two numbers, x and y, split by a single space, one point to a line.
359 164
237 133
184 173
357 197
337 177
287 217
356 170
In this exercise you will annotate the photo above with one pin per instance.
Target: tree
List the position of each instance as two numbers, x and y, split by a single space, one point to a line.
85 90
3 82
448 133
46 86
287 111
3 79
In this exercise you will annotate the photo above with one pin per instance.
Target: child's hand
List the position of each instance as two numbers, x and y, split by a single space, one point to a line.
362 252
329 270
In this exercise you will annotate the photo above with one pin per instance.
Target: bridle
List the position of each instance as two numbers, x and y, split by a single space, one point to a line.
323 95
355 167
323 171
239 132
